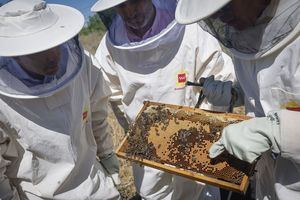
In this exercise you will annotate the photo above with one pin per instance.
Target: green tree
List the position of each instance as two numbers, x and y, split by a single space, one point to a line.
94 24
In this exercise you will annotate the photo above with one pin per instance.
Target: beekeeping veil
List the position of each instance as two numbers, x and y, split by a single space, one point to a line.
151 53
32 26
279 20
106 10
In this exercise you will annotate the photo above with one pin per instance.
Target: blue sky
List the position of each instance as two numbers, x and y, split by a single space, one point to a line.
83 5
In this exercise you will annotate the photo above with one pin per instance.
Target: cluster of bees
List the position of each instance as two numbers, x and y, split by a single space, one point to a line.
139 146
187 147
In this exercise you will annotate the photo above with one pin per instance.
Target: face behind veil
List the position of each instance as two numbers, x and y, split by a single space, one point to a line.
278 19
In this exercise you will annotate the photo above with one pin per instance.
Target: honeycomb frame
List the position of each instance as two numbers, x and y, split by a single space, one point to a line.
176 139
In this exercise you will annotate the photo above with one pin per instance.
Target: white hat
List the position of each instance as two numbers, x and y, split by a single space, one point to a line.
102 5
190 11
32 26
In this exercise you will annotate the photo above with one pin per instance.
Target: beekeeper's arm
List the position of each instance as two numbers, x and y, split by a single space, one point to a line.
104 61
212 62
100 93
7 150
279 132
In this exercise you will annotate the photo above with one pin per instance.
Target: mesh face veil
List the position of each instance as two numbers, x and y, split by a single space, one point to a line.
116 25
278 19
72 54
107 17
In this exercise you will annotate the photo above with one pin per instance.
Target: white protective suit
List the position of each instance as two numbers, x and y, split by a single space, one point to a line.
48 141
156 70
272 82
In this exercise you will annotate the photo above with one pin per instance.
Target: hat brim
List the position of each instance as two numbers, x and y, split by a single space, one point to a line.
191 11
70 22
102 5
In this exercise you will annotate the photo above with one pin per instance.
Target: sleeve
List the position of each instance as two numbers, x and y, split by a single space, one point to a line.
211 60
104 61
99 95
289 142
238 95
7 150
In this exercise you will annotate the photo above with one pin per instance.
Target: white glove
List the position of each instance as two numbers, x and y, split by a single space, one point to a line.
249 139
217 92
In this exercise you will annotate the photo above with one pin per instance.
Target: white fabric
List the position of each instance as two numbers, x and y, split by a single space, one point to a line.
157 70
31 26
19 18
51 142
102 5
190 11
289 183
271 83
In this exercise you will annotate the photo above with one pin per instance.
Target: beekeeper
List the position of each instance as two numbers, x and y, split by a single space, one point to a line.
53 108
146 55
263 36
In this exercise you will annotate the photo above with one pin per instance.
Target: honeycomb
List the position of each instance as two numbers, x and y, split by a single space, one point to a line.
182 139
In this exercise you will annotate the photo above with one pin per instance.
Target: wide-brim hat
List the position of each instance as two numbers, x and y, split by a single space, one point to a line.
32 26
191 11
102 5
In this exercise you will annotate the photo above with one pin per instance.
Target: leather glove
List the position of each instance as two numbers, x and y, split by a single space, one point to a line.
217 92
249 139
111 163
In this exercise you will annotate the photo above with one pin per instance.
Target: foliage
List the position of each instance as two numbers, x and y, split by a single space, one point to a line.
94 24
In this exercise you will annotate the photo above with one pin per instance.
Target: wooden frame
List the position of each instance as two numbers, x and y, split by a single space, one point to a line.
182 172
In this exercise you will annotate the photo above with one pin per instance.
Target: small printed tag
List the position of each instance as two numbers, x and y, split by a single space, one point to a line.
181 79
85 113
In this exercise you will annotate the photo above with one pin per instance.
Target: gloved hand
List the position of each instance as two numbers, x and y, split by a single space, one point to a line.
111 163
217 92
7 191
249 139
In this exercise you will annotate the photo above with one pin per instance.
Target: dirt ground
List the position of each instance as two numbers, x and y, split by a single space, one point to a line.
126 188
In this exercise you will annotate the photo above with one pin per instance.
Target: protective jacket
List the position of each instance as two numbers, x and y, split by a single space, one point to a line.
49 139
272 82
157 69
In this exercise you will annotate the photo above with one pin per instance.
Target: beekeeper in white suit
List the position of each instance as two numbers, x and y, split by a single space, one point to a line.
53 108
146 55
263 36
